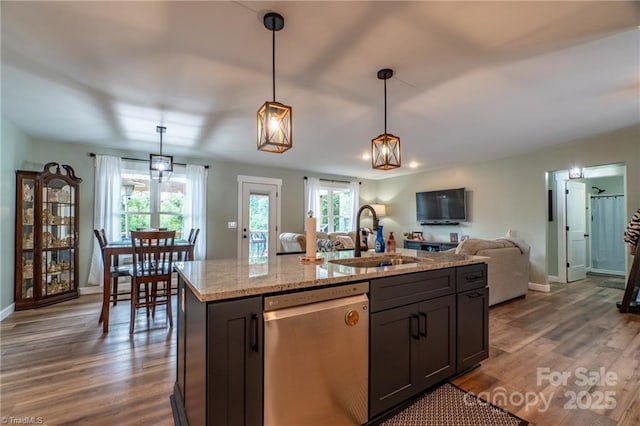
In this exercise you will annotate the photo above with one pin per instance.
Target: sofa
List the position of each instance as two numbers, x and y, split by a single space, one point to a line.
507 266
292 242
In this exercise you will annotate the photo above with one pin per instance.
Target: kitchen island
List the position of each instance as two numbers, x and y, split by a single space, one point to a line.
428 317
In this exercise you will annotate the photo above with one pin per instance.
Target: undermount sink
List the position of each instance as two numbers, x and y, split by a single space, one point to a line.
380 260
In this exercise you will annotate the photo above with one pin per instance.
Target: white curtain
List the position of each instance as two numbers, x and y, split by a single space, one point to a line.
106 209
312 197
195 207
355 202
607 229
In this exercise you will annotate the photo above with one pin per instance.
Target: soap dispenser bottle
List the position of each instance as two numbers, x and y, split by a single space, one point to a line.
380 246
391 243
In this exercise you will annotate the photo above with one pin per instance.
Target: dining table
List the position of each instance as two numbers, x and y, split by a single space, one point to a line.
181 247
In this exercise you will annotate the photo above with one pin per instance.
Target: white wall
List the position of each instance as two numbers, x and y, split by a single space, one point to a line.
511 193
12 154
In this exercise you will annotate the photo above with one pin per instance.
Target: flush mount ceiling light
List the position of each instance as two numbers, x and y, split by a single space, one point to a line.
274 118
576 173
385 149
160 165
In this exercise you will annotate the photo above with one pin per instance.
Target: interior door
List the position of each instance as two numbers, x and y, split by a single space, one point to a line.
576 231
258 221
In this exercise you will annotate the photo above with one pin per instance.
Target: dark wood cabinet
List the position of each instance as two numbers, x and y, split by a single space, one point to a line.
432 246
437 332
46 240
425 327
235 362
412 335
412 348
219 364
393 355
472 327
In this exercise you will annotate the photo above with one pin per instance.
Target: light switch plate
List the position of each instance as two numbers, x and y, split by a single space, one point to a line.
232 225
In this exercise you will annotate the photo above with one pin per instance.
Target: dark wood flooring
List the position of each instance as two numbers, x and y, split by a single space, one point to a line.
56 364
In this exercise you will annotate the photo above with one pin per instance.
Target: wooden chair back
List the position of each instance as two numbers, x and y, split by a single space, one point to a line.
193 235
152 255
101 237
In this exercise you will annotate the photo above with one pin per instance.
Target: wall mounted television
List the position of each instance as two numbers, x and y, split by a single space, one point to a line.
444 207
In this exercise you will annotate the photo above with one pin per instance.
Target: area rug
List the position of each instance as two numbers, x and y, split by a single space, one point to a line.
450 405
613 283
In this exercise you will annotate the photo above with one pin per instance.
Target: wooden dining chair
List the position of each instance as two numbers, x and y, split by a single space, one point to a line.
116 270
193 237
152 268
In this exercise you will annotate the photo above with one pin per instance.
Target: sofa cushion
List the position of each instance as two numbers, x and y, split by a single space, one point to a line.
474 245
345 241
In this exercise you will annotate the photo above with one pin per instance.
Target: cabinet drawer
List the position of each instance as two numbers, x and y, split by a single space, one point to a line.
404 289
471 277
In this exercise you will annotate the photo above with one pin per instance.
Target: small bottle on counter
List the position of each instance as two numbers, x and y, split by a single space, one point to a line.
391 243
379 244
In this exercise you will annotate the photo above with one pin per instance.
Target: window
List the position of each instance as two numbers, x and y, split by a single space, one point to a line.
335 207
151 204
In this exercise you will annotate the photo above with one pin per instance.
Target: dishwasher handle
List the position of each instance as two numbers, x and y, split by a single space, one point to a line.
254 332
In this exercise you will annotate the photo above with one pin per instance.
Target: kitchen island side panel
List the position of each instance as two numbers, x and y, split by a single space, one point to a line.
195 365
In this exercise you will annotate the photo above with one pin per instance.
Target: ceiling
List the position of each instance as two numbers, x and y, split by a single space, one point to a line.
473 80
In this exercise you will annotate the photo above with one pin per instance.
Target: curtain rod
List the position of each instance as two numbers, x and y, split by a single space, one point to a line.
333 180
91 154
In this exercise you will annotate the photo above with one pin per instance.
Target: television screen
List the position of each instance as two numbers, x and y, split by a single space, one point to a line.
448 205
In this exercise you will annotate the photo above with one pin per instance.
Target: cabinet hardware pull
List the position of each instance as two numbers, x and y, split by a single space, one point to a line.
474 295
423 324
474 277
415 334
254 332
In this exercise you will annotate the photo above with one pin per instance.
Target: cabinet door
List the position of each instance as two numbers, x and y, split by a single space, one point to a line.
436 358
473 328
392 336
26 271
234 396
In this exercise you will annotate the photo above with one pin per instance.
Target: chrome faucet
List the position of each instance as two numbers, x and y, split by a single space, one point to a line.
356 252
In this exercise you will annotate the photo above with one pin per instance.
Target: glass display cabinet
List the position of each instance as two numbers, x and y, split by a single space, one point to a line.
46 269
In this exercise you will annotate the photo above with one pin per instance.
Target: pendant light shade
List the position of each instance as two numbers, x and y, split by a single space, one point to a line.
160 165
274 118
576 173
385 149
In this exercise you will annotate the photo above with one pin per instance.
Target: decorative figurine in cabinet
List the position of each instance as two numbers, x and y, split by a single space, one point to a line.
46 241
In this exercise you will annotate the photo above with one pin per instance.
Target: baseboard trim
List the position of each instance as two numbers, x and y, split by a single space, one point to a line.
545 288
94 289
553 278
607 272
7 311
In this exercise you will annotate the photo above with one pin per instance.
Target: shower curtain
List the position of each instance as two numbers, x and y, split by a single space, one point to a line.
607 229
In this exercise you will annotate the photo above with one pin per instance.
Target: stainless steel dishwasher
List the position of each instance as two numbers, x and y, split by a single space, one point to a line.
316 357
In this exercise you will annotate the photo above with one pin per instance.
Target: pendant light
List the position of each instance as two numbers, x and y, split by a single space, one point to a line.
160 165
576 173
274 118
385 149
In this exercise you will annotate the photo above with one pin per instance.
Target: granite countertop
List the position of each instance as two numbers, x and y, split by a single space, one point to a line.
230 278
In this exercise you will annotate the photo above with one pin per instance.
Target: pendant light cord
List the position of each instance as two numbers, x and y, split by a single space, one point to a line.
273 58
385 105
161 138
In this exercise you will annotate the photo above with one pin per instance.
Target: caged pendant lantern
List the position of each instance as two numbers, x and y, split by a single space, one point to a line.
274 118
160 165
385 149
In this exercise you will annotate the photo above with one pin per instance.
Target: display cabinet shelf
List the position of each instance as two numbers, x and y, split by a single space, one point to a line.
46 242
